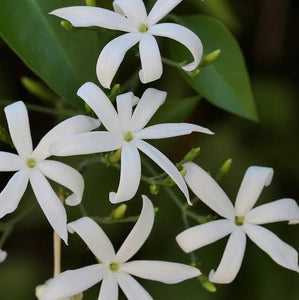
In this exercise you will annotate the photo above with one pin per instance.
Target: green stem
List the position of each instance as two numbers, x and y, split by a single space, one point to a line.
172 63
109 220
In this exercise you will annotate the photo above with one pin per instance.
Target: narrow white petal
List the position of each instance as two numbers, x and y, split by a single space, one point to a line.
73 282
66 176
124 108
94 237
130 174
112 55
19 128
280 210
231 260
161 9
133 9
87 143
251 187
167 130
139 233
208 190
131 288
279 251
109 288
184 36
100 104
165 164
49 203
149 103
3 255
10 162
166 272
69 127
85 16
11 195
201 235
151 62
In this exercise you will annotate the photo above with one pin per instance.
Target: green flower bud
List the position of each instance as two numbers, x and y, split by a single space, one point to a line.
224 169
210 58
154 189
119 212
115 91
206 284
66 25
91 2
115 157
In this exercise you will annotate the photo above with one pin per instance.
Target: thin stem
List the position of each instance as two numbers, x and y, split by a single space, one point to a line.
172 63
109 220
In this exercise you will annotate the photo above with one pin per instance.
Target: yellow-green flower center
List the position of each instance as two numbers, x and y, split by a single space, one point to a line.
128 137
113 267
31 163
239 221
143 27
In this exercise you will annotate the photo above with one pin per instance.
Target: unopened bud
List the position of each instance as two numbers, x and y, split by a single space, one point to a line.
210 58
38 89
206 284
154 189
66 25
115 157
195 73
183 172
89 111
91 2
119 212
190 156
224 169
115 91
156 210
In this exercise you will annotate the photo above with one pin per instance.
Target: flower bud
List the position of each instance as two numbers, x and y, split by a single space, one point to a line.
119 212
115 157
66 25
154 189
210 58
115 91
91 2
190 156
206 284
224 169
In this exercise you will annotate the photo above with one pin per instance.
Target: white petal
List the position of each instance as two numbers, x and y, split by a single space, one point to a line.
184 36
280 210
151 62
131 288
3 255
130 174
66 176
133 9
208 190
139 233
166 272
124 108
94 237
201 235
112 55
49 203
109 288
165 164
167 130
161 9
149 103
69 127
87 143
13 192
279 251
251 187
19 128
84 16
10 162
231 260
73 282
100 104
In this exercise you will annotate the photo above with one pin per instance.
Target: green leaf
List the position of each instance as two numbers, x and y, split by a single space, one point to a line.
224 83
63 59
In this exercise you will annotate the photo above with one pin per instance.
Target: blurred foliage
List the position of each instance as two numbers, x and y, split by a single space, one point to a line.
272 142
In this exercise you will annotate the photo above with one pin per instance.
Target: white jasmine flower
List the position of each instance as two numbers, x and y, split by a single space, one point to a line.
33 165
239 221
114 269
3 255
126 131
130 16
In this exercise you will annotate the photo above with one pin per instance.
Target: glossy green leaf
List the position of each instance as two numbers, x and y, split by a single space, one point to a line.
63 59
224 83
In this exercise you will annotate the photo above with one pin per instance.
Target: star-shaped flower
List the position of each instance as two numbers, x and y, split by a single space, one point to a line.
239 221
3 255
126 131
114 269
33 165
130 16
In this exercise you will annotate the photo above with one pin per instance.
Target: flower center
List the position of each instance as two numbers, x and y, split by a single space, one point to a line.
239 221
31 163
128 137
113 267
143 27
